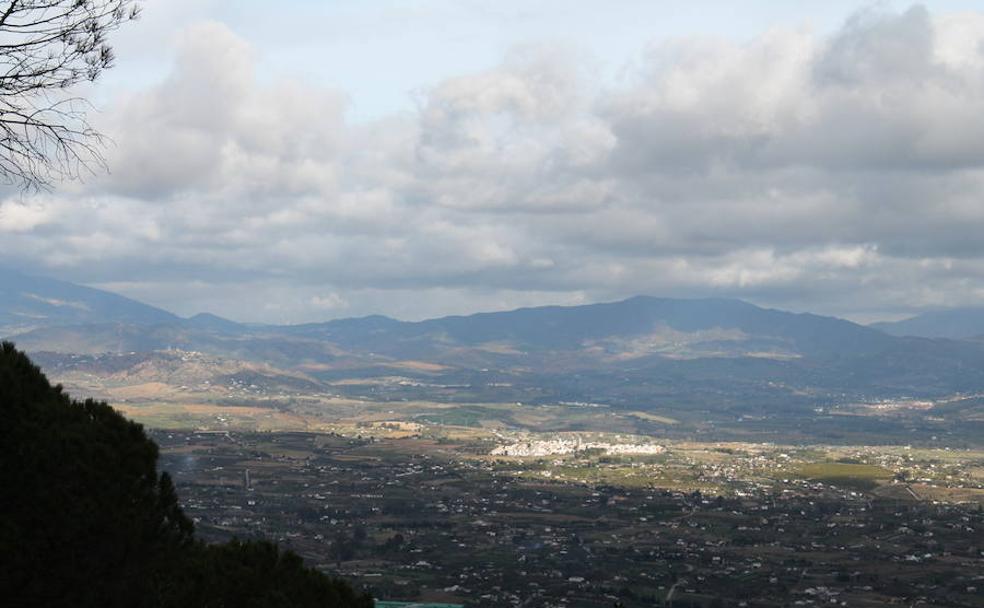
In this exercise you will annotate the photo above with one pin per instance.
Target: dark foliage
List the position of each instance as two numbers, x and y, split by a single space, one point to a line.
256 574
86 520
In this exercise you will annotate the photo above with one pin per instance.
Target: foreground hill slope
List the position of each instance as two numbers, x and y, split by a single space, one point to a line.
87 520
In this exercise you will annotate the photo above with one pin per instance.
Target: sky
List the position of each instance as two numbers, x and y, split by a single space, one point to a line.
422 158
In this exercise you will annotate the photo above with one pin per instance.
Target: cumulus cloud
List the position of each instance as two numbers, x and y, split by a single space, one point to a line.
839 173
23 216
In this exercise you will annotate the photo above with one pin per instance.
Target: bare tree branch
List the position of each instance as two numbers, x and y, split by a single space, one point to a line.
47 47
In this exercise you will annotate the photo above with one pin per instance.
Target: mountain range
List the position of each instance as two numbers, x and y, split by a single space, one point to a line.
632 352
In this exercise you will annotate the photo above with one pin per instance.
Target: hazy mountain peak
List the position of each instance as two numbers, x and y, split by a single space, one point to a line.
28 301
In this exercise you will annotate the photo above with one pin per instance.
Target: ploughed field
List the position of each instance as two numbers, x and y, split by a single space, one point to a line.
692 524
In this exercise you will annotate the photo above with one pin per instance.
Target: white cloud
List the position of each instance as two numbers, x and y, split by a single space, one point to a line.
839 173
16 216
330 302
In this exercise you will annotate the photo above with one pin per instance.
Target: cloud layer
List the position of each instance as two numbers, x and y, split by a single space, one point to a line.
838 173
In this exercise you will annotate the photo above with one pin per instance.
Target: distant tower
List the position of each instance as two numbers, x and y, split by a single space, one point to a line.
247 484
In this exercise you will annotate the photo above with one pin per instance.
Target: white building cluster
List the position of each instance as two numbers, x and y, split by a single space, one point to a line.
555 447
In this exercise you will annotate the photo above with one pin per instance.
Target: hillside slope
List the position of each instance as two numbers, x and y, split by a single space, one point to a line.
87 520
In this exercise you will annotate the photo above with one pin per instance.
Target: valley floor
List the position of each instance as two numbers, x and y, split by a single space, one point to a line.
695 525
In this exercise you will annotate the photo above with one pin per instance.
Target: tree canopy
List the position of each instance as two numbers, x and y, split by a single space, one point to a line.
86 519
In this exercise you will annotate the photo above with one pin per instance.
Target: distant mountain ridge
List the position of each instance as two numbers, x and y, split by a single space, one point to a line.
955 323
206 320
28 302
628 350
56 315
566 327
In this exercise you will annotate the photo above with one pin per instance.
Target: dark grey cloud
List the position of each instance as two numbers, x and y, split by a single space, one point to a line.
839 173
